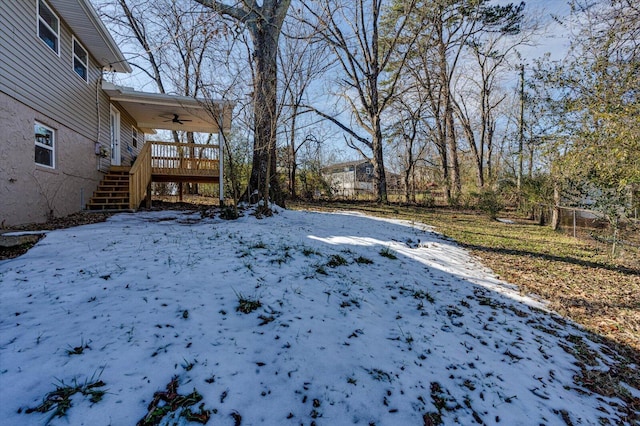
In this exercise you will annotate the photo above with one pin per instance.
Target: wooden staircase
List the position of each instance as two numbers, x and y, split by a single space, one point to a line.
126 188
113 191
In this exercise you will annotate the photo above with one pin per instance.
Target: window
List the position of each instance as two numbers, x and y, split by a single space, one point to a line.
48 27
134 137
45 145
368 170
80 60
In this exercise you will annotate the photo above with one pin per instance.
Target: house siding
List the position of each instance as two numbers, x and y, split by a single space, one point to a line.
39 78
349 179
127 150
31 193
38 85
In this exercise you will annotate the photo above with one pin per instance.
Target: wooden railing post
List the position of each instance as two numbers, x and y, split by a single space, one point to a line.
140 177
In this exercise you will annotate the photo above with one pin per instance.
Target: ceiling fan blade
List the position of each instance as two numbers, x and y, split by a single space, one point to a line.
174 119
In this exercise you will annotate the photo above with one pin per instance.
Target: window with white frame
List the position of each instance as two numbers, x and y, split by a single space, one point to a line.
134 137
48 27
80 60
45 138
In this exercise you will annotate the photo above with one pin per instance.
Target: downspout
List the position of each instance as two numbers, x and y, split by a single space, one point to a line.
98 145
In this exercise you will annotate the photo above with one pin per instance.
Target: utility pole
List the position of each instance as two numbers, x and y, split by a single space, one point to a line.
521 130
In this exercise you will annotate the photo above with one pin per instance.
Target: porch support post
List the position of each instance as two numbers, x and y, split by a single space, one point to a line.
148 197
221 142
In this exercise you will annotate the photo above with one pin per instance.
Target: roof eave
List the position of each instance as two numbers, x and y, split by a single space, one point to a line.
103 48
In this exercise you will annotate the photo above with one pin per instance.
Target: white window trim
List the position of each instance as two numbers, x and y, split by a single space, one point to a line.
135 137
51 148
38 20
74 42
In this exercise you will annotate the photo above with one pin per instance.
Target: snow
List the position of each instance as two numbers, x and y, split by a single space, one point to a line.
21 233
153 295
507 221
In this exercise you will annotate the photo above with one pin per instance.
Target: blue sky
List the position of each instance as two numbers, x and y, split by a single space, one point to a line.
554 37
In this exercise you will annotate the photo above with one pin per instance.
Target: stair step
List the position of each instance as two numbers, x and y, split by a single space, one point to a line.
106 200
115 179
112 192
105 194
113 207
108 188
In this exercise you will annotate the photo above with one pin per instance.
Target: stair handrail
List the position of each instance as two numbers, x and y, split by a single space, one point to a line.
140 177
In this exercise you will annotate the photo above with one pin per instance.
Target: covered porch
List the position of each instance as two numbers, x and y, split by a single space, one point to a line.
175 162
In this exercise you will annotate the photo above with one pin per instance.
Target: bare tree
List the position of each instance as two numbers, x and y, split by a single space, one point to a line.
301 63
411 136
354 34
477 100
452 25
264 24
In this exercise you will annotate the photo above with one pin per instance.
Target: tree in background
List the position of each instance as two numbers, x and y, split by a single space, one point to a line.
353 33
595 101
301 63
447 30
479 95
409 137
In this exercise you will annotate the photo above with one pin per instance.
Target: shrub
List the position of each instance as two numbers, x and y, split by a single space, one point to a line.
489 202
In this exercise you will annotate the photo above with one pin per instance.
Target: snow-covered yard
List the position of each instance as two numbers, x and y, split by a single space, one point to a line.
301 318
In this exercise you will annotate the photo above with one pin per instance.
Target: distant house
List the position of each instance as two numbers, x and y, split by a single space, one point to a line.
349 179
354 178
63 129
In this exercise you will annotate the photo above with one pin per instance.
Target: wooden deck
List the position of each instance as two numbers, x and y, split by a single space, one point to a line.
195 163
125 187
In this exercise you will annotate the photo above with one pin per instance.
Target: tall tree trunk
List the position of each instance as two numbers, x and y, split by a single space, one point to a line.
490 133
292 153
378 166
375 70
444 166
265 40
452 147
452 166
264 23
555 215
407 175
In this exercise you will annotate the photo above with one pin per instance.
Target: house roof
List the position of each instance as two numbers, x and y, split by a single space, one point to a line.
345 164
157 111
89 29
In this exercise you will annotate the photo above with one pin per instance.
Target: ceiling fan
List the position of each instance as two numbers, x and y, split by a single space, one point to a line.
176 119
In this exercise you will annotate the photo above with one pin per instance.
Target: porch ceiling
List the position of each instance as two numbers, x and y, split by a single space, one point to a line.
154 111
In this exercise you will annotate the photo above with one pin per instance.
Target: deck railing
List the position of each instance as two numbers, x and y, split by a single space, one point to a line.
140 177
170 161
186 159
